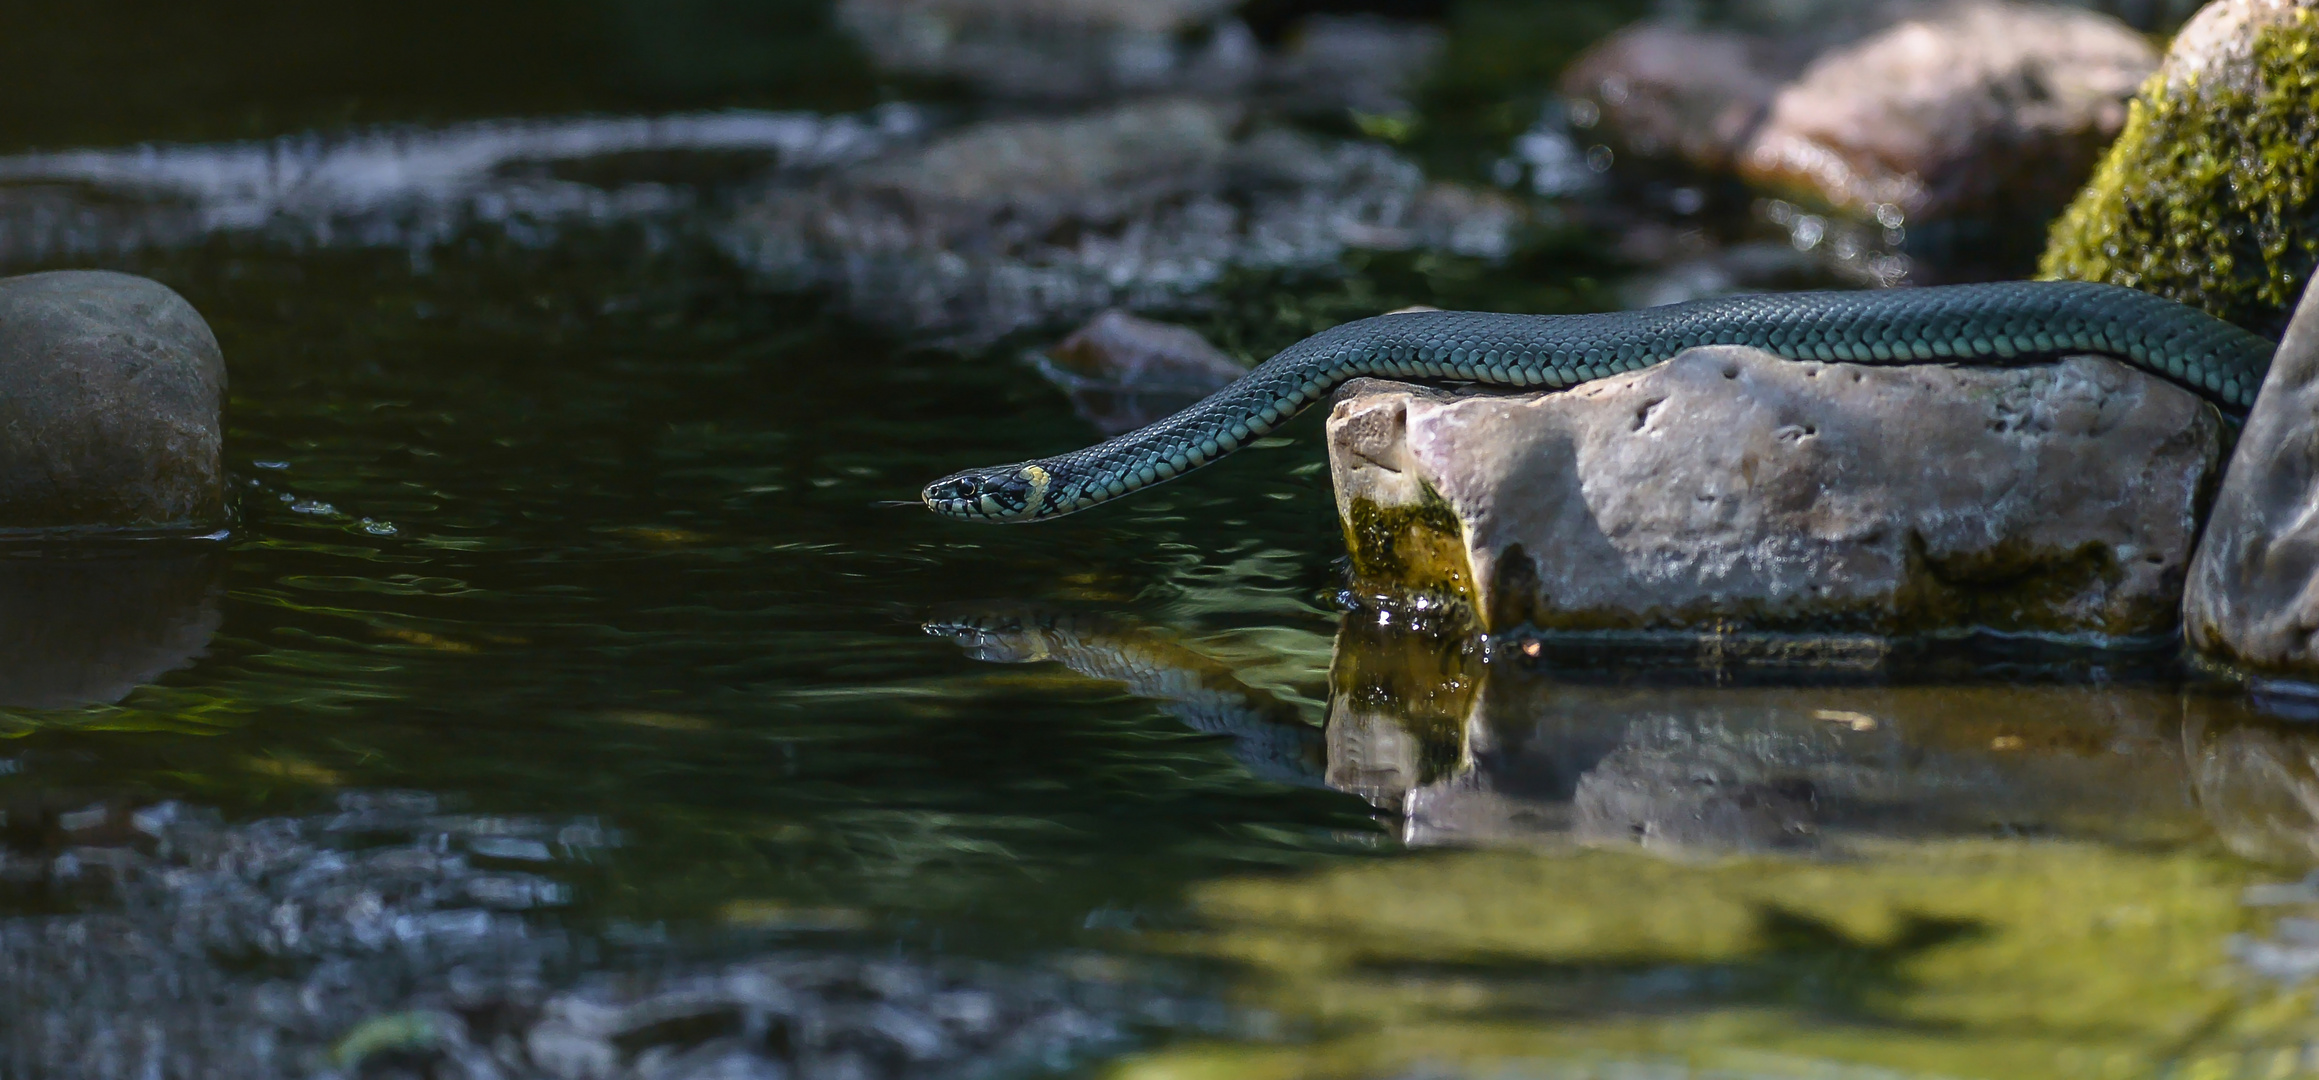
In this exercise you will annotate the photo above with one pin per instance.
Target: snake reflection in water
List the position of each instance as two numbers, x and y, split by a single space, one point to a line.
1998 323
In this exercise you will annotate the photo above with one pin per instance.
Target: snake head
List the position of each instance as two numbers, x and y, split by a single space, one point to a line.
1003 493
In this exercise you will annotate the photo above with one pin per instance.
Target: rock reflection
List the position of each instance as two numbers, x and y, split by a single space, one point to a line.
2256 778
1471 748
88 626
1269 736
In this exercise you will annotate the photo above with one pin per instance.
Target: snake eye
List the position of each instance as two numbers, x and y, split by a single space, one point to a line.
983 493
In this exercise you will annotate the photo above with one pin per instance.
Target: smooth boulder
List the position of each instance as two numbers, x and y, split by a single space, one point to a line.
1730 489
2253 595
110 393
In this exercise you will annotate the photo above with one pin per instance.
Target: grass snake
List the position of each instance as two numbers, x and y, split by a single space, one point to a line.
1997 323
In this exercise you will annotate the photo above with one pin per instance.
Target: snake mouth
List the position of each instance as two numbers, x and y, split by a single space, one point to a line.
1000 494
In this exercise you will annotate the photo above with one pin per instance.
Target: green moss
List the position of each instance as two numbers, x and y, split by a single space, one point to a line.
2208 197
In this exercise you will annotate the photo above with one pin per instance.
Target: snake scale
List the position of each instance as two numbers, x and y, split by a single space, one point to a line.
2003 322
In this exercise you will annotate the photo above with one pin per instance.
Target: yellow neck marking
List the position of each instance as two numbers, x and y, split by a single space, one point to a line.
1039 481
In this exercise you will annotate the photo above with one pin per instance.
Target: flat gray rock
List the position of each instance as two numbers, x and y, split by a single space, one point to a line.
2253 594
1016 223
110 391
1730 489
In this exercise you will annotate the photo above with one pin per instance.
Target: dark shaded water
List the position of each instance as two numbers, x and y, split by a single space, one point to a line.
561 574
632 565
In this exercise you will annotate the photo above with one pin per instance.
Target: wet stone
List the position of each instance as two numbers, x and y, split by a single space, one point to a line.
1730 489
1667 90
1092 50
111 388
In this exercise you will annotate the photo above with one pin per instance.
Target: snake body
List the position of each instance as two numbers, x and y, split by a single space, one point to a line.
1999 323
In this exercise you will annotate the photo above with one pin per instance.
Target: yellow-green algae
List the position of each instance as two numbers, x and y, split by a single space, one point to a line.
1413 550
1988 959
2208 195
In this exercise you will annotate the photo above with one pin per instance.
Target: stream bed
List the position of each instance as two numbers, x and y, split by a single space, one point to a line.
571 698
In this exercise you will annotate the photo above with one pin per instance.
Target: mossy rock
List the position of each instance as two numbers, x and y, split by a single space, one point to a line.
2211 194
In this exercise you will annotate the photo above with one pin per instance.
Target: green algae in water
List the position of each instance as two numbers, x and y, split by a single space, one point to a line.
1959 959
2211 194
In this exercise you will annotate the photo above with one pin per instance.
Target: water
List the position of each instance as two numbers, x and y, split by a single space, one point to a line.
566 699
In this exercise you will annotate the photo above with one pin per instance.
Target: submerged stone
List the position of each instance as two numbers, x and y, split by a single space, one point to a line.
1729 488
2210 196
110 392
1980 957
1123 372
367 937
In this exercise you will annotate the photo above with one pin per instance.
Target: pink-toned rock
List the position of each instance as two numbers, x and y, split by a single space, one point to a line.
2216 47
1119 350
1984 112
1974 109
1731 489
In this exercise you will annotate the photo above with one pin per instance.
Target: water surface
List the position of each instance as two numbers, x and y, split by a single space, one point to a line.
564 635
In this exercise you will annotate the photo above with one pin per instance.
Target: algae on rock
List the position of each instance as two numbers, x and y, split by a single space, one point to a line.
2211 194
